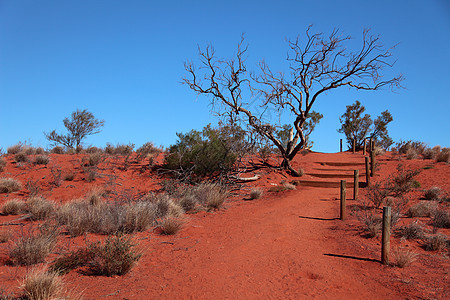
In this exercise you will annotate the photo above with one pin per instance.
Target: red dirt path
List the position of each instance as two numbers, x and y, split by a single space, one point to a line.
287 245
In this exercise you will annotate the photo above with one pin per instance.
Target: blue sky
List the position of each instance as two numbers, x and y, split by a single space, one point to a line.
123 61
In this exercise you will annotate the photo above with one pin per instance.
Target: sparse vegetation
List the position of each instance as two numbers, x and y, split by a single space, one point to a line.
372 223
422 209
444 155
42 159
436 242
440 219
433 193
21 157
15 148
2 164
39 208
9 185
211 195
404 258
171 224
256 193
41 285
415 230
14 207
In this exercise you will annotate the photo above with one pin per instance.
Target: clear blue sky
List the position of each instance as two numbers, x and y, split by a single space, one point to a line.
123 61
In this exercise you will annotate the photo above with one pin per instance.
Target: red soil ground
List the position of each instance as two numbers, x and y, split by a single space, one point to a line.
285 245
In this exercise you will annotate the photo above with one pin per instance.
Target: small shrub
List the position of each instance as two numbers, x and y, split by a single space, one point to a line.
14 207
42 159
188 201
377 194
444 155
93 149
9 185
2 164
40 285
116 256
433 193
120 149
211 195
411 154
139 216
15 148
404 258
57 176
145 150
57 150
170 225
91 173
39 208
372 223
33 187
402 182
415 230
440 219
256 193
422 209
21 157
32 248
429 153
5 236
95 158
436 242
95 196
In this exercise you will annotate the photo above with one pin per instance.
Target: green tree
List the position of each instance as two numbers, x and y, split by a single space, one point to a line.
80 124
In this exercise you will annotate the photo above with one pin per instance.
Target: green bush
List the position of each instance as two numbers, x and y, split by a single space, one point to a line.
205 153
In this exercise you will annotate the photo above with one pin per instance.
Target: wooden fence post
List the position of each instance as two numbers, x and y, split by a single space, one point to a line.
386 236
370 144
373 146
365 145
366 158
341 146
354 146
343 194
372 163
356 184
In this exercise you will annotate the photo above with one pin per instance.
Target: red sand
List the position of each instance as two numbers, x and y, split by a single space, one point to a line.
287 245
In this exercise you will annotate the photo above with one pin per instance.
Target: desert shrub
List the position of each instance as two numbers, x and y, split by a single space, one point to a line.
42 159
429 153
165 206
404 258
92 149
371 222
211 195
95 196
32 248
146 150
444 155
205 153
14 207
415 230
15 148
379 151
119 149
21 157
33 187
377 194
139 216
440 218
91 173
40 285
5 236
171 224
436 242
9 185
411 153
2 164
39 208
433 193
95 158
57 150
402 182
422 209
116 256
188 201
256 193
404 146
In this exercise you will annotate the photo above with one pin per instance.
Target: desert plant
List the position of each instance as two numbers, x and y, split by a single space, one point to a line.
404 258
39 208
57 150
440 219
411 153
95 158
15 148
91 173
33 187
21 157
371 222
433 193
139 216
170 224
402 182
404 146
14 207
92 149
5 236
32 248
429 153
377 194
42 159
436 242
188 201
444 155
256 193
145 150
422 209
119 149
81 124
2 164
211 195
95 196
415 230
9 185
41 285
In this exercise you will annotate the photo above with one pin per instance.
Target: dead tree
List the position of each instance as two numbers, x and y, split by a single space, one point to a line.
316 66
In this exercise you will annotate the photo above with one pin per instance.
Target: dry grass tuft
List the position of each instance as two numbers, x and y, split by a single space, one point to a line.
41 285
5 236
9 185
171 224
139 216
40 208
32 248
436 242
14 207
411 153
95 196
433 193
440 219
42 159
21 157
211 195
404 258
422 209
57 150
256 193
14 149
415 230
444 155
2 164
